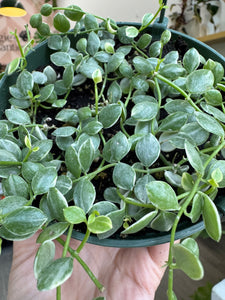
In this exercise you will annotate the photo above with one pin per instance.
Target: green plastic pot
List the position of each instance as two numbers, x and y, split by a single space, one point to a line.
39 56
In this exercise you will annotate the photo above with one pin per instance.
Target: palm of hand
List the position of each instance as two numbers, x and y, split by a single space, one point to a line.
125 273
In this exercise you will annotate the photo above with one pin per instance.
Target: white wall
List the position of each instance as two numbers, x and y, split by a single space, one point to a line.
119 10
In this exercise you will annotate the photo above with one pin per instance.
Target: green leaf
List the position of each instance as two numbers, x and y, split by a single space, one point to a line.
132 31
99 224
163 221
11 203
114 62
17 116
140 190
188 262
44 256
24 220
84 194
61 23
55 273
52 232
110 114
144 111
55 42
162 195
194 157
75 14
218 164
191 60
211 218
124 176
64 184
90 22
86 155
214 97
117 220
25 82
147 158
174 121
172 71
44 147
64 131
29 169
216 112
142 65
199 81
11 147
196 208
43 180
116 148
92 127
155 49
209 123
74 215
56 203
144 41
140 224
93 43
13 65
68 76
61 59
72 162
15 185
39 77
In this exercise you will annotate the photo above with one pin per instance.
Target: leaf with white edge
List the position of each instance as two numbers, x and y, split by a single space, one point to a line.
24 220
110 114
140 224
188 262
219 164
117 220
192 245
196 208
93 43
43 180
25 82
199 81
144 111
147 149
140 190
124 176
44 147
15 185
116 148
64 184
61 59
163 221
52 232
74 215
44 256
209 123
211 218
64 131
56 203
7 235
17 116
72 162
86 155
99 224
84 194
191 60
162 195
55 274
194 157
11 203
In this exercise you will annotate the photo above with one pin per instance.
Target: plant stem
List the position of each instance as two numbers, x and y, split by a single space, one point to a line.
84 265
84 241
180 213
181 91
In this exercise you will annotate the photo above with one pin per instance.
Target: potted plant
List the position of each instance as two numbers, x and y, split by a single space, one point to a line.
112 134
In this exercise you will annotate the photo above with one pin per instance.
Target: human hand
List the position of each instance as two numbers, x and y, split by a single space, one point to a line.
130 273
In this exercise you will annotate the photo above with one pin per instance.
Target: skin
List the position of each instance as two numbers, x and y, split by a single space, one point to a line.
133 273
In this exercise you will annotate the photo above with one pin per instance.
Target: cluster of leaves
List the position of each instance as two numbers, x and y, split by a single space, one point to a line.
157 124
